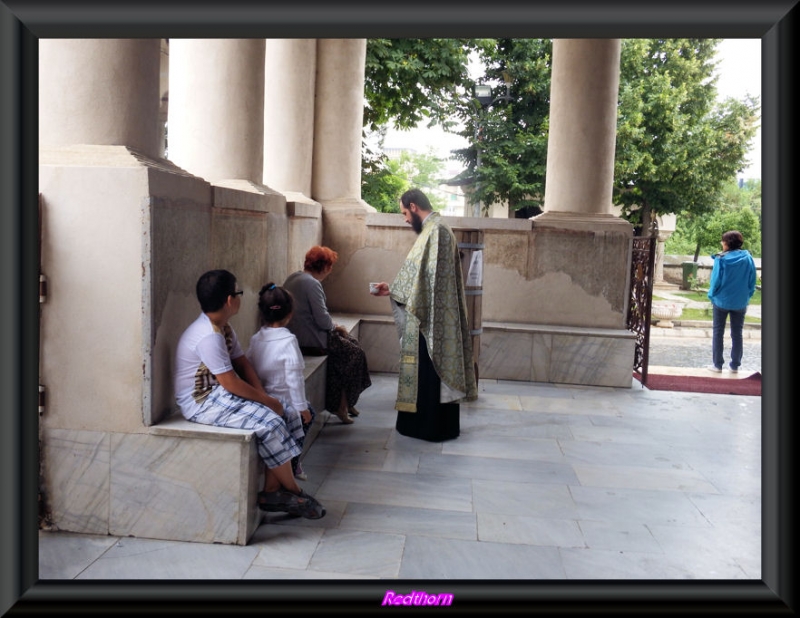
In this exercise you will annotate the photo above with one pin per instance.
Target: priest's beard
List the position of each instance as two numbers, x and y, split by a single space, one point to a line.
416 222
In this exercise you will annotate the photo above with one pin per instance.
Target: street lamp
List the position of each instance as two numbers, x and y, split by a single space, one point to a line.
483 94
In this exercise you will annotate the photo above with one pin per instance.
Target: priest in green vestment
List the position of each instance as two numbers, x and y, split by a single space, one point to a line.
427 295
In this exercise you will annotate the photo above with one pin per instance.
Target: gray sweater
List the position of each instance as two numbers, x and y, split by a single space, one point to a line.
311 321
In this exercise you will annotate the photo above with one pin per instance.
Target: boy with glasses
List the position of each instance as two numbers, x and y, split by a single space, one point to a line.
215 384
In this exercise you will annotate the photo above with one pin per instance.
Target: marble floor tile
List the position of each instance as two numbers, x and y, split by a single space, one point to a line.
408 520
131 558
444 559
285 547
537 431
729 510
396 489
494 401
65 555
621 565
636 505
492 468
364 457
480 418
533 500
526 389
742 546
619 536
503 447
633 477
401 462
359 553
526 530
593 433
610 453
553 405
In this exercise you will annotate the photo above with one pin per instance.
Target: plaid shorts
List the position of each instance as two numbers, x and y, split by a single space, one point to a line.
276 436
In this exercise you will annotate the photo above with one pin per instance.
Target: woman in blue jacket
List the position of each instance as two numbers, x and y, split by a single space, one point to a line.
733 282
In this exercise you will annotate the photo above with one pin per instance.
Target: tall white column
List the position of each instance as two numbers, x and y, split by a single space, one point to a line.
583 122
100 92
290 75
216 107
339 118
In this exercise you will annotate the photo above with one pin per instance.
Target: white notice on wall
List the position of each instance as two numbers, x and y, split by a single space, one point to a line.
475 274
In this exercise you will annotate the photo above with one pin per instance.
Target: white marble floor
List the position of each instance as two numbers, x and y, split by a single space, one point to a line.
544 483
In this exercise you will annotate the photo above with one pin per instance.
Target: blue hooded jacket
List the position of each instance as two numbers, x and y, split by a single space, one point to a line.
733 280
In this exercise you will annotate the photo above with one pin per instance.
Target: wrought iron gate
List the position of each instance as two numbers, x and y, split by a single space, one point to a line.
641 301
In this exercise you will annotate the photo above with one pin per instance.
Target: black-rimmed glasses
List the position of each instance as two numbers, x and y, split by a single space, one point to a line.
238 293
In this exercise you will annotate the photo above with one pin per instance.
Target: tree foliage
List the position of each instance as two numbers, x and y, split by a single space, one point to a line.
388 178
676 146
740 209
408 81
507 159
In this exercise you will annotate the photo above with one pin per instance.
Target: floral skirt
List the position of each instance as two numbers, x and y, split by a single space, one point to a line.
347 371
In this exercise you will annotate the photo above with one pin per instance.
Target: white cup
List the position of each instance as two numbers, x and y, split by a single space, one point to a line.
373 288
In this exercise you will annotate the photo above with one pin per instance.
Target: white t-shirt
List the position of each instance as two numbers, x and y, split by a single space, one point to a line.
202 353
276 357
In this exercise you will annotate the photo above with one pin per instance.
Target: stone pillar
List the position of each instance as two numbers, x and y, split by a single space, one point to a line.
290 73
339 118
100 92
583 122
216 107
666 226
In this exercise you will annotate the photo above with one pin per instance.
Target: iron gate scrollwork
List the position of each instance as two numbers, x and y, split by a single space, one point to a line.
641 301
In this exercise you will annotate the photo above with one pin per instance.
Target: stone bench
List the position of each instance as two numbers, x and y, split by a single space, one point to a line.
523 352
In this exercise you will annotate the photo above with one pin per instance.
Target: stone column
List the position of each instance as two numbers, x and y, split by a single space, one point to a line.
583 122
216 107
290 73
666 226
100 92
339 118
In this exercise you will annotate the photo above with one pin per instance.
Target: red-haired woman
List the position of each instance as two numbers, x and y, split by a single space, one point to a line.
347 372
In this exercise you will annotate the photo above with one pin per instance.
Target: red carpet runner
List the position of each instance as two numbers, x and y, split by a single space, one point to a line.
750 385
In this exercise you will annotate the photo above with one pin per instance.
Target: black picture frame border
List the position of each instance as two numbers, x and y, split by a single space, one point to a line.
23 23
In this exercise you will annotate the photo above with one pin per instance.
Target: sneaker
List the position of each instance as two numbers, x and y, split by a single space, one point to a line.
734 369
299 473
714 368
285 501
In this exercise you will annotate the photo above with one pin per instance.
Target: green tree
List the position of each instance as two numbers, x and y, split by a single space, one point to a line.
676 147
385 181
740 209
509 136
407 81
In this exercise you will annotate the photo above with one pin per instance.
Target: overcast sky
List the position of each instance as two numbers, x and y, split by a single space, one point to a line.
739 72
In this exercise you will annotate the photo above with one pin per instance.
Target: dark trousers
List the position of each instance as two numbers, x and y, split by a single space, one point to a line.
718 336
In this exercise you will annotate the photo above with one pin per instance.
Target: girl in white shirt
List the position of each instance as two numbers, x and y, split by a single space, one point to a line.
276 357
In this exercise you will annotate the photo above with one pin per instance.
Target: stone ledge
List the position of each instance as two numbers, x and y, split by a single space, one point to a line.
620 333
